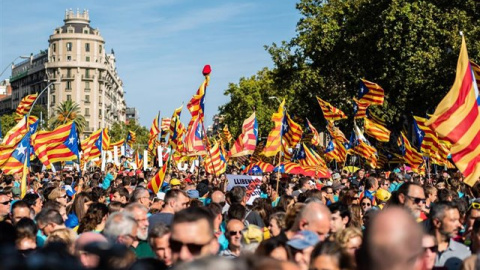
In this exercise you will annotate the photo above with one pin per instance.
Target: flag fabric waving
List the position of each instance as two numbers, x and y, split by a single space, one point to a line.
247 140
92 146
14 158
138 160
410 155
131 138
457 119
309 128
292 132
377 131
215 162
359 109
227 134
60 144
19 130
24 106
196 105
194 139
329 112
370 93
274 140
157 181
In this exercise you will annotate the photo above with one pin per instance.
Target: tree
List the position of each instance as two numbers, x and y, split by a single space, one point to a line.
68 111
409 47
119 130
7 121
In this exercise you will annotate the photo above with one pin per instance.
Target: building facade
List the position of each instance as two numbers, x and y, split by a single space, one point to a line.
132 114
77 62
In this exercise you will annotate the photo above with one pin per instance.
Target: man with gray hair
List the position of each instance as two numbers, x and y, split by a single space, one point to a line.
121 227
140 246
142 196
158 237
314 217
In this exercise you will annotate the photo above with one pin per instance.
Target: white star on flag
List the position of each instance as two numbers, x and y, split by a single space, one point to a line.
21 150
71 140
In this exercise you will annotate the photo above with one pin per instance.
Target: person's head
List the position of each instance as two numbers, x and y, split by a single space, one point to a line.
48 220
329 255
121 227
473 212
234 233
314 217
5 201
80 204
88 259
176 200
65 236
58 195
192 235
412 196
26 233
350 240
393 240
276 223
158 238
340 217
139 212
361 173
274 247
301 247
20 210
366 203
385 184
120 195
34 202
371 184
216 210
445 219
94 219
430 247
142 196
218 197
431 193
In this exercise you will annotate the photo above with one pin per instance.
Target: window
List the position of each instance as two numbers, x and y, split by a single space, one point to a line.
87 99
54 47
100 48
85 31
87 85
87 47
69 58
69 73
87 73
53 99
100 113
69 97
87 111
69 46
87 58
69 85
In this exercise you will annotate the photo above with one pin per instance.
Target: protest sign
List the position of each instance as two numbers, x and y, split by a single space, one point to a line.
250 182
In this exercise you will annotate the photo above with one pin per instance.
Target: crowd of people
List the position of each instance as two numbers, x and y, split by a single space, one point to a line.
364 219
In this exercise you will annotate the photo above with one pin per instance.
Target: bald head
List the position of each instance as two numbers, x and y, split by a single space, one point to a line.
234 223
392 241
314 217
218 197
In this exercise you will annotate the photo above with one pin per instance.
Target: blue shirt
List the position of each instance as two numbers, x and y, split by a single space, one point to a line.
107 180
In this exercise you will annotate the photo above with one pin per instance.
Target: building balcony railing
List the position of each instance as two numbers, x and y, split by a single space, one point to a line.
88 77
68 77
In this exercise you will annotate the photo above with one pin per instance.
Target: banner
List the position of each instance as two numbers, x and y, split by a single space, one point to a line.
250 182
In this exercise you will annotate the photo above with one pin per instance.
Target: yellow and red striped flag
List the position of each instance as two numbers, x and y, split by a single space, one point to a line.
215 162
60 144
308 157
13 157
227 134
138 160
292 132
368 152
176 130
90 145
457 119
247 140
359 109
131 138
194 139
377 131
196 105
157 181
336 133
336 151
316 137
166 122
410 155
329 112
371 93
155 129
24 106
274 140
15 134
427 138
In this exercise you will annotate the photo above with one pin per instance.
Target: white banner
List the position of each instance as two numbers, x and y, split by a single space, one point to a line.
250 182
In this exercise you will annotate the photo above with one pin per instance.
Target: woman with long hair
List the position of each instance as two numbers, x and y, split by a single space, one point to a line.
76 211
95 218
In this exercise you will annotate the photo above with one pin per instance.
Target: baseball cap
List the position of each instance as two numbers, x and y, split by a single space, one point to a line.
303 240
383 195
175 182
193 193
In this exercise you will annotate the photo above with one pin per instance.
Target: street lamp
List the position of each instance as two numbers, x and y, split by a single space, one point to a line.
13 63
48 98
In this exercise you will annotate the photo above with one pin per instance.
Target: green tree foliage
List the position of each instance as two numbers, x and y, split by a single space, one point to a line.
119 130
410 48
7 122
68 111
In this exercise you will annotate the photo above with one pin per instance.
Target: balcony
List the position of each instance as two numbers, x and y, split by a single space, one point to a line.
88 77
68 77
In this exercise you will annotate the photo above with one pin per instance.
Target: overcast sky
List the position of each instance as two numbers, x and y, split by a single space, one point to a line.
161 46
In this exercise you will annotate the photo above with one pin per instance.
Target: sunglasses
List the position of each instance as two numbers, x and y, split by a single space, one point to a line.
475 205
417 200
6 202
432 249
366 204
232 233
194 249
